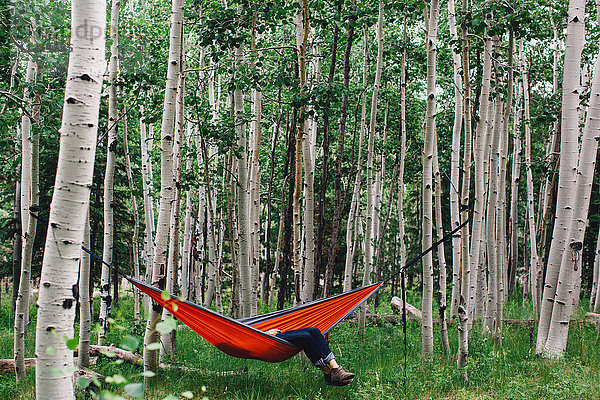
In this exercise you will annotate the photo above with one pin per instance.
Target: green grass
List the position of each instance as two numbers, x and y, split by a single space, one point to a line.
377 359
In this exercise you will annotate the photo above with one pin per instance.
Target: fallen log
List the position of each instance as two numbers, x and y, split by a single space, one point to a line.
411 310
113 351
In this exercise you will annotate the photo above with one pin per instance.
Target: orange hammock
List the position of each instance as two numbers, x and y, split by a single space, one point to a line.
245 338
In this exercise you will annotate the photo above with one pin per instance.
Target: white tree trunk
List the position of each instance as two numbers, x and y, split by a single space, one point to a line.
370 211
455 161
85 312
136 222
570 269
427 159
465 273
166 179
29 203
535 270
111 158
68 210
355 202
568 163
168 348
483 133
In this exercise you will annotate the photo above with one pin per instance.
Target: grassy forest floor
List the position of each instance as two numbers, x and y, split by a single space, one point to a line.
377 359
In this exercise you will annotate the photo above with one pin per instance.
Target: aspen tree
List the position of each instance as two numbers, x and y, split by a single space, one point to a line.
85 312
136 221
440 250
455 160
465 272
29 204
370 211
111 158
254 174
169 348
534 266
568 164
481 154
571 264
68 209
166 179
355 202
243 227
427 157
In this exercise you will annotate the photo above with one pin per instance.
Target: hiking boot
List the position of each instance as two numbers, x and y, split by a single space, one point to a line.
339 377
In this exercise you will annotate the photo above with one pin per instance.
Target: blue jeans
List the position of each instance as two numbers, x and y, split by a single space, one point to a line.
312 342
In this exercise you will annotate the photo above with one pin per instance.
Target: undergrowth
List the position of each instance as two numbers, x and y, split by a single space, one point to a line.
511 371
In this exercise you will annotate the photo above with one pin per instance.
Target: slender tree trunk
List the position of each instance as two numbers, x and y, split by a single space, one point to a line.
168 349
455 162
166 179
465 273
338 203
370 211
441 253
427 159
481 153
136 222
535 270
29 185
514 190
355 203
111 158
325 169
85 314
148 205
68 210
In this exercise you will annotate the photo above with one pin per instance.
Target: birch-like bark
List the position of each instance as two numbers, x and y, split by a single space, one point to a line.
427 159
29 185
85 312
111 158
514 189
567 296
491 215
465 273
370 211
148 201
337 212
245 273
568 164
166 179
455 161
254 182
355 202
534 266
68 209
136 222
440 251
483 133
169 348
302 29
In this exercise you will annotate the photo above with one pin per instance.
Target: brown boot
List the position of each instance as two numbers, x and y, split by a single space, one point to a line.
339 377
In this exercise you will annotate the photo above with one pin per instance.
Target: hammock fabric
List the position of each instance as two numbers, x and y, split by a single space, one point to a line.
245 338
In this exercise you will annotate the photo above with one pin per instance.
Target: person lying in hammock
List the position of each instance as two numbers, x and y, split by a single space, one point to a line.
317 350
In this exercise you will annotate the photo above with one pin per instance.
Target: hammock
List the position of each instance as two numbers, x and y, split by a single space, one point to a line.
245 338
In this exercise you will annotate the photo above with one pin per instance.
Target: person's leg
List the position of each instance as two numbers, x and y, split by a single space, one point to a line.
304 339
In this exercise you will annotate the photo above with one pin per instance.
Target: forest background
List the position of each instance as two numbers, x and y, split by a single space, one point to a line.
317 147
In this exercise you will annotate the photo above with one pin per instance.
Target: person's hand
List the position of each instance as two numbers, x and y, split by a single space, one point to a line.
274 331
